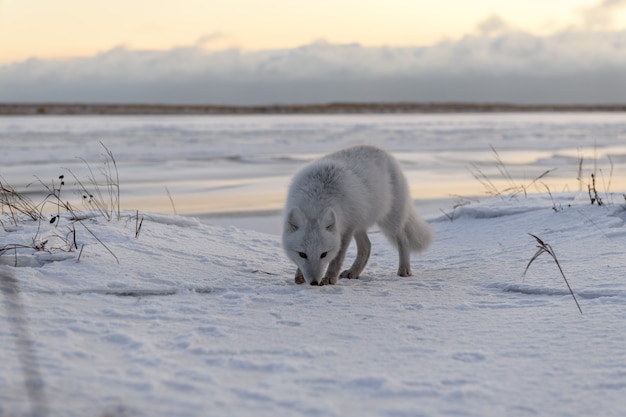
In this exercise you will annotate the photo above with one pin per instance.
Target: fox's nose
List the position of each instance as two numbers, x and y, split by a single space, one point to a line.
314 283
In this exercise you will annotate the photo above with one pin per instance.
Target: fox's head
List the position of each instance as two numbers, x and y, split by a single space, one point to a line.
311 243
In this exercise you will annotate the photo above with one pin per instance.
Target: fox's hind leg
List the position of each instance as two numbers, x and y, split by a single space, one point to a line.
404 255
299 277
363 249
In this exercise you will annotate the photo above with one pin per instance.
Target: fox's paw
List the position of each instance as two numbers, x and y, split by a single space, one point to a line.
329 281
299 277
348 274
405 272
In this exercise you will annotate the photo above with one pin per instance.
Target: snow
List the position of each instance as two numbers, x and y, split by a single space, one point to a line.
204 320
221 164
200 319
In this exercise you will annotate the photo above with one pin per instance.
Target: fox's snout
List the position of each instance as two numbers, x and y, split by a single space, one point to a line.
314 281
313 270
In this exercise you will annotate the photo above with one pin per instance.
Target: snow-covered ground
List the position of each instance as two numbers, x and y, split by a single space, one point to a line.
196 319
200 320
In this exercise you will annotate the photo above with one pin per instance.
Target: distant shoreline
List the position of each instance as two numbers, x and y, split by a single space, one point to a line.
17 109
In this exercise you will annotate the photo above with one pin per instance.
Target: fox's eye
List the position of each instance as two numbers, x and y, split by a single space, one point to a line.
323 255
302 255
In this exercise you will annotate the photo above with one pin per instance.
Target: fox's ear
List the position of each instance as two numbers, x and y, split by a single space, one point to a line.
329 220
295 219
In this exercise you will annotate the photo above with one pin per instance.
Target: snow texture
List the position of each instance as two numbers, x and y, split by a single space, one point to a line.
200 320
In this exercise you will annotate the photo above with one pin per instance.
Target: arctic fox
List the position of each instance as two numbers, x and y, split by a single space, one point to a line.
340 196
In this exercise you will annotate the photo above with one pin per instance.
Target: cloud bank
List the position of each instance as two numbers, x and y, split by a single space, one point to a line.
601 15
497 64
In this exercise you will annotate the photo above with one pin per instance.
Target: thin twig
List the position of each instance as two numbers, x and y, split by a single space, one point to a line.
138 225
98 239
595 198
17 203
554 207
501 167
513 188
113 184
258 271
80 253
67 207
171 199
546 248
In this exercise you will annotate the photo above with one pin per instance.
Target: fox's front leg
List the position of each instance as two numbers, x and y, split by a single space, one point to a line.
332 273
363 247
299 277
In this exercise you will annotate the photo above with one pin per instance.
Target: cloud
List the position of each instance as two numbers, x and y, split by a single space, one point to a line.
601 15
493 25
507 66
210 38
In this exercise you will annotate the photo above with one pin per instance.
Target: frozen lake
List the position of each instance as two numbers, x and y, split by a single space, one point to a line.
226 164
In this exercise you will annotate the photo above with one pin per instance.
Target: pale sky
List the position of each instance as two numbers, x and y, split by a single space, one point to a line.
75 28
312 51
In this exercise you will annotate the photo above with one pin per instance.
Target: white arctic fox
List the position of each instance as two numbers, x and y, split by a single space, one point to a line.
340 196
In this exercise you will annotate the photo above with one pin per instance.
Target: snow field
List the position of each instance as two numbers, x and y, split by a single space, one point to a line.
201 320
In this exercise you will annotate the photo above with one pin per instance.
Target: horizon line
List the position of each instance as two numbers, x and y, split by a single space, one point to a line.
86 108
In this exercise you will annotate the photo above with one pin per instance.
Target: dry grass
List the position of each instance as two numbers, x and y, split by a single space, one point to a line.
596 174
544 247
513 187
15 209
459 203
16 205
100 194
57 225
593 192
138 224
597 177
171 199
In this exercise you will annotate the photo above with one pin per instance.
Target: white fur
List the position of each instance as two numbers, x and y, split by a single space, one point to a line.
339 197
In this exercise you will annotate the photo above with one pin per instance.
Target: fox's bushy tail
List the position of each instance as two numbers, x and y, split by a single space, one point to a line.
417 232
